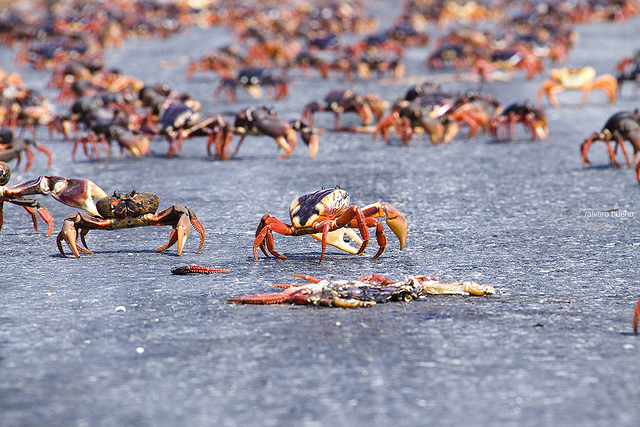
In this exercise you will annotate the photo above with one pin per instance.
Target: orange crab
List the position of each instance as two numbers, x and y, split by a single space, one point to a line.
583 79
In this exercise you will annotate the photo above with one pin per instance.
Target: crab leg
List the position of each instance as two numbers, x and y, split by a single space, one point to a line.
620 142
353 216
635 318
46 151
263 232
32 207
44 214
380 236
70 227
607 83
181 229
274 297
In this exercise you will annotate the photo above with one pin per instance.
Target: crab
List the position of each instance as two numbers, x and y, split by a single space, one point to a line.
127 210
407 120
533 118
328 216
12 148
77 193
338 102
306 61
509 60
456 55
365 291
175 119
223 62
583 79
628 70
265 121
253 79
624 125
107 130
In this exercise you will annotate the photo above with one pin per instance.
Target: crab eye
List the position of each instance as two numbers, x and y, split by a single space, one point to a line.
5 173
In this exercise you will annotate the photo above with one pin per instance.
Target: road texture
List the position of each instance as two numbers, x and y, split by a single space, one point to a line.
115 339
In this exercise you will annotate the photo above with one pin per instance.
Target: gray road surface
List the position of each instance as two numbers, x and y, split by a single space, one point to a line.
115 339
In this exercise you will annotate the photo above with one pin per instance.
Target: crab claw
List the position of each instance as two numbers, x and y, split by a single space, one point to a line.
77 193
336 238
395 220
398 225
451 130
182 229
254 90
540 129
309 136
365 112
70 235
178 235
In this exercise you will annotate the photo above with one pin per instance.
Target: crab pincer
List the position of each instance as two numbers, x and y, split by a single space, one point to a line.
77 193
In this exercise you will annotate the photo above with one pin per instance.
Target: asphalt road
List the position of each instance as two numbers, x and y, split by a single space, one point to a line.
115 339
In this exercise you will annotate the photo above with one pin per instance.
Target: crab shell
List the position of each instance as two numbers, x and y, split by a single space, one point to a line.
122 205
573 78
323 204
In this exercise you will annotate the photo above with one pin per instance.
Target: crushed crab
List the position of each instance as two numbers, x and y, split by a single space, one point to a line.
366 291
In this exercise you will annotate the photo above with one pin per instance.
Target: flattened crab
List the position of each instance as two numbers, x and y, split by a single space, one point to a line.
365 291
583 79
77 193
328 216
127 210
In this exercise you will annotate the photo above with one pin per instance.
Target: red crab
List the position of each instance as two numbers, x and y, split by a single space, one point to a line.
329 213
